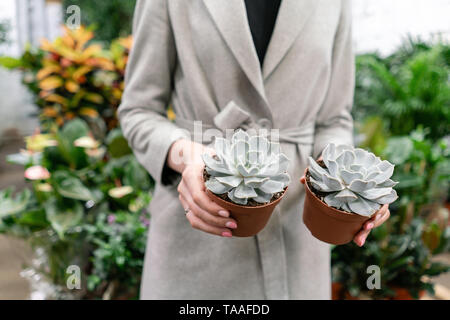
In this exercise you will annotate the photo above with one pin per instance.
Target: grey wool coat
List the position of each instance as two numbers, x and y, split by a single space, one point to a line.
198 55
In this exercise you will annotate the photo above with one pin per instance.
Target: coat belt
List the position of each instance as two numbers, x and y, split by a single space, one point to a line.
270 241
233 117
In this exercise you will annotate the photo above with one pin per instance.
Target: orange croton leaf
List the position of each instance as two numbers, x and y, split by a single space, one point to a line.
103 63
49 112
82 80
68 40
72 86
79 36
117 93
91 51
127 42
43 94
65 63
89 112
66 52
65 74
80 72
46 45
57 99
48 62
46 71
94 97
82 36
69 115
121 63
51 83
59 121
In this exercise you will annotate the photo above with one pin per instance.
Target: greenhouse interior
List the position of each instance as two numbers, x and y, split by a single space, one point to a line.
76 187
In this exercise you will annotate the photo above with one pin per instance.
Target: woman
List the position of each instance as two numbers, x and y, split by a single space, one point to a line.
198 56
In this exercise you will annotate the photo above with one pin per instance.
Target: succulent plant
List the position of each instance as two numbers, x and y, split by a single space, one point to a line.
246 167
354 180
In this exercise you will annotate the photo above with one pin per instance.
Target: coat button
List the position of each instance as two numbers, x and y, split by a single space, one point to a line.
264 123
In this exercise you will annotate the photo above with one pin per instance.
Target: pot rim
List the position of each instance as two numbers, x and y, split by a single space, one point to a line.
232 204
333 212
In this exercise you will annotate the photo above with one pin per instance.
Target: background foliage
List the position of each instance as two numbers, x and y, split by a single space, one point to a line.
111 19
90 207
402 110
412 84
87 200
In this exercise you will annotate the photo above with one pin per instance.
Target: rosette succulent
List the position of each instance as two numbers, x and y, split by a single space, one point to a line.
246 167
354 180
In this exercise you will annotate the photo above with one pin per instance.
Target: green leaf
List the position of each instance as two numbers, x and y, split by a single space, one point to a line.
401 249
401 262
10 205
117 144
10 63
93 281
75 129
63 215
437 268
71 187
34 218
136 176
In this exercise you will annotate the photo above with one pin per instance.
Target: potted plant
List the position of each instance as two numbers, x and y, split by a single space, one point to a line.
247 176
344 190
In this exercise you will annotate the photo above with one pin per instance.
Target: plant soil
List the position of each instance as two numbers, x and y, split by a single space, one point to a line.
321 195
318 193
250 202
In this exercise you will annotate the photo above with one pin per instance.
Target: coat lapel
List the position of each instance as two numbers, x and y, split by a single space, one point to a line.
292 17
230 17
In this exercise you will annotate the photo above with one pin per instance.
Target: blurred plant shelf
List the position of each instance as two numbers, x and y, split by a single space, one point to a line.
86 205
402 108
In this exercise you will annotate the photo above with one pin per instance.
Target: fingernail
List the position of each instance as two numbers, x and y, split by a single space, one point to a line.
362 243
231 224
224 213
226 234
370 226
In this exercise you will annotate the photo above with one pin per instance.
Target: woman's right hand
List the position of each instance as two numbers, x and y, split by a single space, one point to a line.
203 213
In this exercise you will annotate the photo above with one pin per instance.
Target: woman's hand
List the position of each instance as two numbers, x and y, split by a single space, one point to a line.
375 221
202 213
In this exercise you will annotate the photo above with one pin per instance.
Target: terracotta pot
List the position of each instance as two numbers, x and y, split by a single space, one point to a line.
250 220
403 294
336 290
329 224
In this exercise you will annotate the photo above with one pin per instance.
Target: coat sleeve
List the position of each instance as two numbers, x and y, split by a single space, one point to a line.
334 122
148 86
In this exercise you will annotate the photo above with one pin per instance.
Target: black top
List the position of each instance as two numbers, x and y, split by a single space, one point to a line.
262 15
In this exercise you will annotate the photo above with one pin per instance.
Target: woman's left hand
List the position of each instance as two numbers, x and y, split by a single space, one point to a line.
375 221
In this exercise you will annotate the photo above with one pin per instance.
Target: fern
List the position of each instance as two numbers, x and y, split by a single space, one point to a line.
407 93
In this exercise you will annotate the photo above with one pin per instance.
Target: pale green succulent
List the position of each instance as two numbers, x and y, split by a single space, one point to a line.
246 167
355 180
